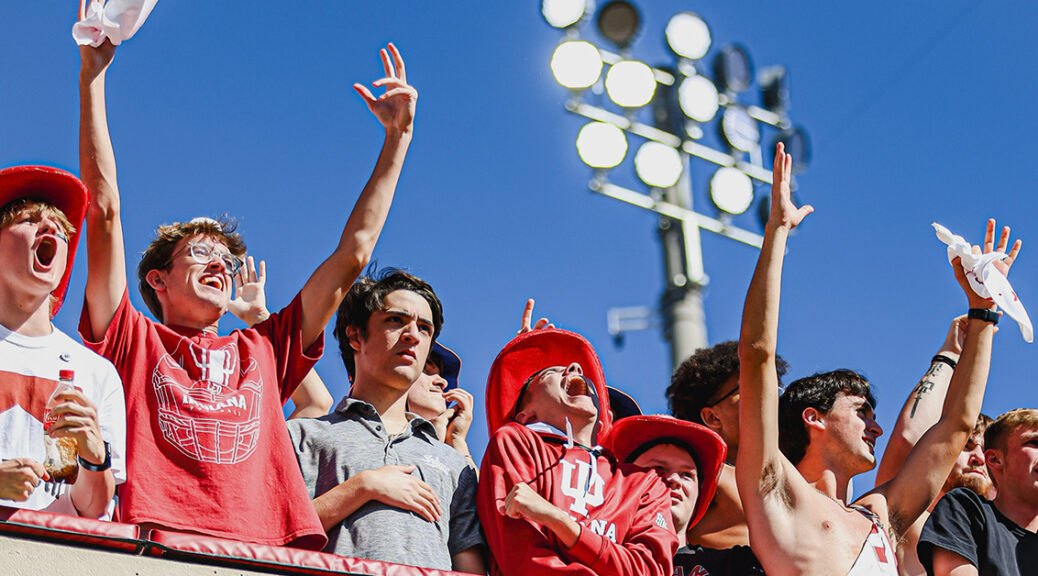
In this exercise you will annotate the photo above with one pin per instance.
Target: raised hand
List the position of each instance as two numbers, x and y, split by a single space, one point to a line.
524 326
250 298
784 214
956 337
395 486
1006 263
395 109
461 418
19 477
76 417
1003 265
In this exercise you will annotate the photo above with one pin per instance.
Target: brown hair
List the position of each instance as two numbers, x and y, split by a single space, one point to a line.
366 296
998 431
159 253
36 209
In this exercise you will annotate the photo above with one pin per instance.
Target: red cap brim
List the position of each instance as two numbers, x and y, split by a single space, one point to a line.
630 434
531 352
59 188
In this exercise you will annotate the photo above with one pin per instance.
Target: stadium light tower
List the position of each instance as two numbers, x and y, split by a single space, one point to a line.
658 115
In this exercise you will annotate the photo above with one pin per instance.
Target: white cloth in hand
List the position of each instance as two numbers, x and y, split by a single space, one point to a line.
985 279
117 20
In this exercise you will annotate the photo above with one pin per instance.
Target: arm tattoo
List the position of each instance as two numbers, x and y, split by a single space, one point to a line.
925 385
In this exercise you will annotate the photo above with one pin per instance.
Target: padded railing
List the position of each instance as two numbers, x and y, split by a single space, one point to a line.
130 539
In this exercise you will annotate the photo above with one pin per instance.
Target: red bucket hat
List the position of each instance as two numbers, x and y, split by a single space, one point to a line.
627 436
527 354
58 188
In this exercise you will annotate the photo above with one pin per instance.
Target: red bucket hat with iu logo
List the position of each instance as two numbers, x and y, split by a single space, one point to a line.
531 352
632 436
58 188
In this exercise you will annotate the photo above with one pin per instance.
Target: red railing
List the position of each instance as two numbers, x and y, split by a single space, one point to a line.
131 539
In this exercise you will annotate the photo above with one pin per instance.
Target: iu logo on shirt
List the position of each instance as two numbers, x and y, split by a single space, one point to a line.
586 487
209 408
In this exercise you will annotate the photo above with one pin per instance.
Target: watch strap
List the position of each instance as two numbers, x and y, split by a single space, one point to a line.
98 467
985 314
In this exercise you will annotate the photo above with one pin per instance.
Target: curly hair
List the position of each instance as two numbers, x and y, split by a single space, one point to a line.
367 295
160 252
818 391
698 379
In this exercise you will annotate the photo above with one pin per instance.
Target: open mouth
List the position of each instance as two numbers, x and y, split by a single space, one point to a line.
46 249
871 443
577 385
212 282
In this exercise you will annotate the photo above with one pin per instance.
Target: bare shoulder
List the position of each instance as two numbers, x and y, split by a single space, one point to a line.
724 524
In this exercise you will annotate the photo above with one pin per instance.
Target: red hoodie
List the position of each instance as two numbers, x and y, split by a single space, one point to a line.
623 511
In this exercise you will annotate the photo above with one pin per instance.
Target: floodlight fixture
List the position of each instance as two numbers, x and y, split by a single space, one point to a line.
576 64
657 164
619 22
698 98
731 190
630 84
601 145
565 13
688 35
774 88
739 129
733 68
797 145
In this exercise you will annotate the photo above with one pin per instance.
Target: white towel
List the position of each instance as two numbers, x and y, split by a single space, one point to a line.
117 20
985 278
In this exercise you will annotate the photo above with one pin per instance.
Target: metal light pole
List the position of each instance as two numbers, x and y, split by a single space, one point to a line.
673 137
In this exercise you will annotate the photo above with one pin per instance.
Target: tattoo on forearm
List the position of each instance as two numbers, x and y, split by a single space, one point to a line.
925 385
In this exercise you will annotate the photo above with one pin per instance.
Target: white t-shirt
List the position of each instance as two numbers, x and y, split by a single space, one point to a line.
29 369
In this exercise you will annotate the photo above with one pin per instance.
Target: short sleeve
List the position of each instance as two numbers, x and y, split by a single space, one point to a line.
464 525
956 524
293 359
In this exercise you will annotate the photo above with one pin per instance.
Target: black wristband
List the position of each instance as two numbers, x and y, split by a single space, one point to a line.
943 359
98 467
985 314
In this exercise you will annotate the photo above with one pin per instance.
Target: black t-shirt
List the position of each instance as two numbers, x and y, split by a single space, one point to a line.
970 526
699 561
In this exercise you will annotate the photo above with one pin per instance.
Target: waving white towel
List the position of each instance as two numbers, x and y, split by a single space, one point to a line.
985 279
117 20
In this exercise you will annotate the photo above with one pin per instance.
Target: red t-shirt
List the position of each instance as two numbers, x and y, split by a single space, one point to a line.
207 446
623 511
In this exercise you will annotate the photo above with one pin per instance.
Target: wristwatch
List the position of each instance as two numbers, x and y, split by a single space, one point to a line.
98 467
985 314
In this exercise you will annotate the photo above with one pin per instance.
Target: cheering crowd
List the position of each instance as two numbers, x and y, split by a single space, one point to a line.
178 427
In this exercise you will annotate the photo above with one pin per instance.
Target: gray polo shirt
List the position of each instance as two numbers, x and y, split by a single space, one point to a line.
352 439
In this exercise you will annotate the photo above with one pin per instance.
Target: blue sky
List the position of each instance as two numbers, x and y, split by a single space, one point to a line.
915 114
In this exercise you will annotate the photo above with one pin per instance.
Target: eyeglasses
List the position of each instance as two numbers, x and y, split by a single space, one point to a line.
204 254
722 398
729 393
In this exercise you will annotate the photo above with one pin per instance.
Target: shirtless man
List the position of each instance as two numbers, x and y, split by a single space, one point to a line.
705 389
795 498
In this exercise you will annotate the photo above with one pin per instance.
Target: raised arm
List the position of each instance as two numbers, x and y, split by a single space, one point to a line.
311 398
926 467
923 406
106 258
395 109
760 465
